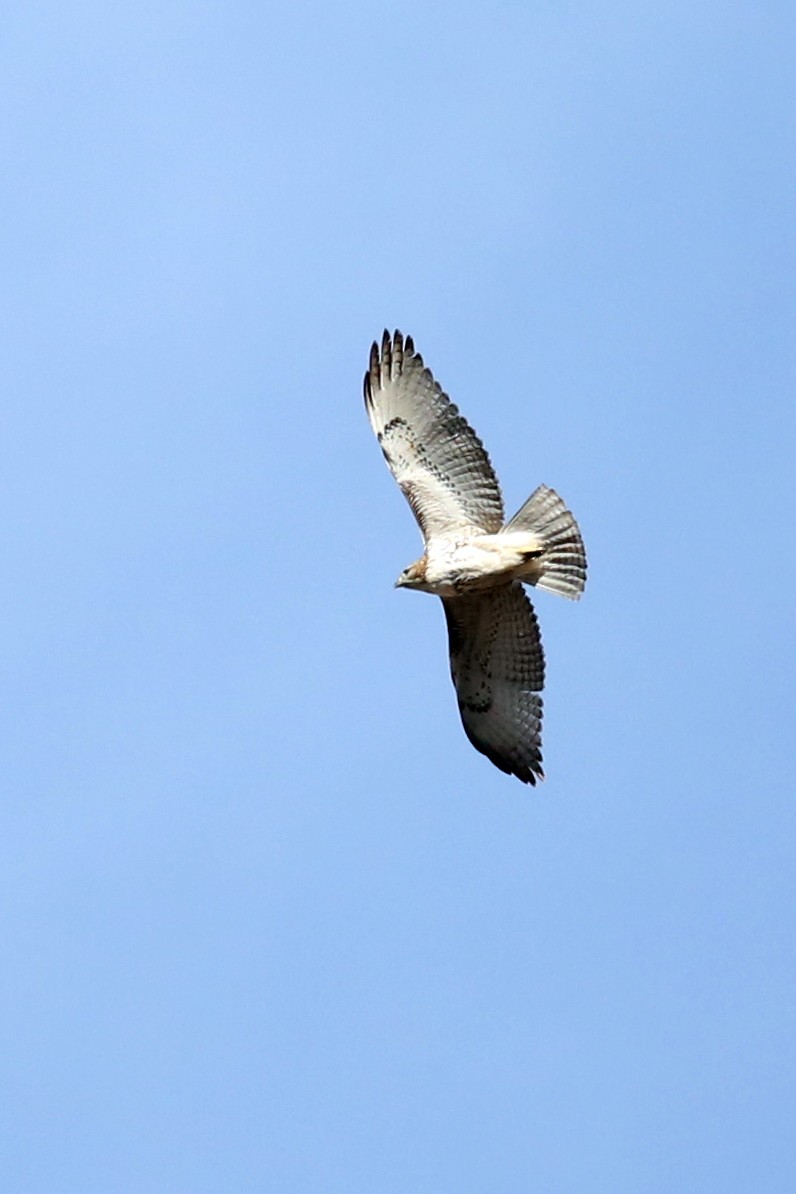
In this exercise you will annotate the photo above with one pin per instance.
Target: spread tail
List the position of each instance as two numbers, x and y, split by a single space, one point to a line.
563 562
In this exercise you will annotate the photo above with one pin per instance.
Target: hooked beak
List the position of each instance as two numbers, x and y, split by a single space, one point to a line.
411 578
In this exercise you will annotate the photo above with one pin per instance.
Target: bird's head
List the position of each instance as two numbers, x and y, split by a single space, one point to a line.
412 577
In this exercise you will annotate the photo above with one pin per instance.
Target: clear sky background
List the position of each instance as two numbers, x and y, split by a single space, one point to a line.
269 923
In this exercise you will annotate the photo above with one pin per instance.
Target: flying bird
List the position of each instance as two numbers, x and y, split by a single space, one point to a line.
473 560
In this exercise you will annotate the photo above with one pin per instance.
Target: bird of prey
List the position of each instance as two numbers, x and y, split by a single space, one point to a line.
473 560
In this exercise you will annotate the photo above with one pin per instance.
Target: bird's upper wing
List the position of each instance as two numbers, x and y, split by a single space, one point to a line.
497 666
435 456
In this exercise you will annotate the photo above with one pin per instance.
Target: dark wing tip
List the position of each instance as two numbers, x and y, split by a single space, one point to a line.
371 375
531 775
391 353
527 769
530 772
387 361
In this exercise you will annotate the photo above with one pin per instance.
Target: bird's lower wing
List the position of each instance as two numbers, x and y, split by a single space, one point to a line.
497 666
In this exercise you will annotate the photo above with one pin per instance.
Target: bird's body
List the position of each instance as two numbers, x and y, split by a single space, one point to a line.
454 565
472 560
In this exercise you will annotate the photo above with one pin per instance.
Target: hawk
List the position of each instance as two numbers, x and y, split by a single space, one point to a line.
473 561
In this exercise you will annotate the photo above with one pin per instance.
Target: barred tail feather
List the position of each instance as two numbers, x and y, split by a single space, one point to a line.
563 563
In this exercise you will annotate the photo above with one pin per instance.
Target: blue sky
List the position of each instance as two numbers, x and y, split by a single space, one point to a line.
269 922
